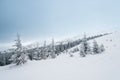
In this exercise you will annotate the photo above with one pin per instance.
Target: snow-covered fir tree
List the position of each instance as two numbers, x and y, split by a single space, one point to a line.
96 48
3 58
84 48
20 56
52 53
61 47
23 57
37 52
44 53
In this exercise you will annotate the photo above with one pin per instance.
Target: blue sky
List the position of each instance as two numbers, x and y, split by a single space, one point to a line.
36 19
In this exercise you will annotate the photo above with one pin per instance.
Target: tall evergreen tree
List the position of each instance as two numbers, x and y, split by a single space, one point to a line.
52 54
84 48
44 53
20 56
96 48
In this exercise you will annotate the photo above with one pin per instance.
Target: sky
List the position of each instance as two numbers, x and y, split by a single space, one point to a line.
42 19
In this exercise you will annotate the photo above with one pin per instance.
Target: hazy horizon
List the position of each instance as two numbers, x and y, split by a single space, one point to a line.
45 19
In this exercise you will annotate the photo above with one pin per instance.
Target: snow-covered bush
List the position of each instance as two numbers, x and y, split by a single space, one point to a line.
102 49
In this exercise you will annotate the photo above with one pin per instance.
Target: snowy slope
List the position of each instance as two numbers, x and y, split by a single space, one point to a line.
93 67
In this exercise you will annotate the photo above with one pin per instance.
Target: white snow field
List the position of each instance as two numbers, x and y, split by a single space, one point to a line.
105 66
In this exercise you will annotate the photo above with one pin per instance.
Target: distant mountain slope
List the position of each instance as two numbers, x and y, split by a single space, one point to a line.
38 52
94 67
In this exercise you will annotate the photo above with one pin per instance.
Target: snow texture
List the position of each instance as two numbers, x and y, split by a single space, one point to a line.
103 66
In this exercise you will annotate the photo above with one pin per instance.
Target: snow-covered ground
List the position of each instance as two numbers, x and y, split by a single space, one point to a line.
103 66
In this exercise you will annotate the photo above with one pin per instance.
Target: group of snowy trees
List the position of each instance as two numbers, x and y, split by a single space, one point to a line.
86 49
19 55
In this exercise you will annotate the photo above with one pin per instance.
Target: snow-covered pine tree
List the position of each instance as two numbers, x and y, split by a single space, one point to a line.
52 54
61 46
23 57
3 58
37 52
44 53
102 49
96 48
84 48
19 56
69 46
